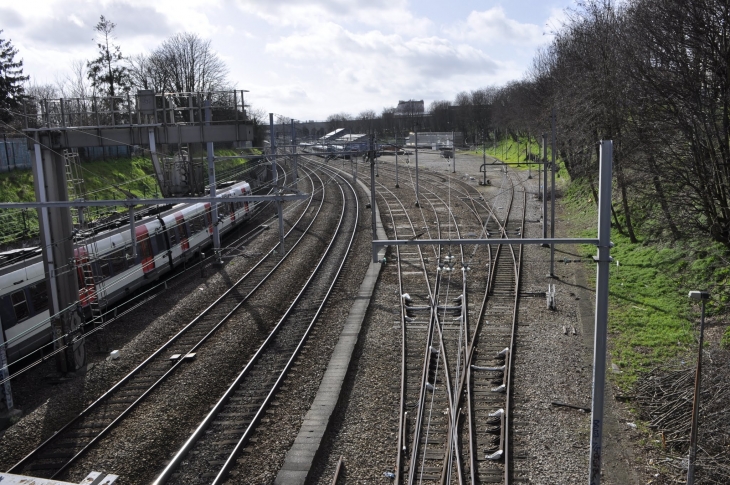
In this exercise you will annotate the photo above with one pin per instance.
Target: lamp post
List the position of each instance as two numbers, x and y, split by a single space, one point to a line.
702 296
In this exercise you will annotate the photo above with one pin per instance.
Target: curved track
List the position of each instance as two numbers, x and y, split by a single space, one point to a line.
72 441
210 452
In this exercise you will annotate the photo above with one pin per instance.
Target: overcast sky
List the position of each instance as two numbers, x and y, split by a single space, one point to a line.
306 59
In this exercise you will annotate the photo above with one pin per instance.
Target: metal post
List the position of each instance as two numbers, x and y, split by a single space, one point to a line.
211 183
603 260
396 161
45 229
5 389
417 199
272 142
552 199
156 163
453 153
371 156
296 155
484 156
133 231
275 179
527 157
702 296
544 186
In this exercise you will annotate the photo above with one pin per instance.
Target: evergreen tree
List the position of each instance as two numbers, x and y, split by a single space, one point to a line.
11 79
107 73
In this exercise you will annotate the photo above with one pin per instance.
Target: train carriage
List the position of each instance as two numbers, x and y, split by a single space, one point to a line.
163 242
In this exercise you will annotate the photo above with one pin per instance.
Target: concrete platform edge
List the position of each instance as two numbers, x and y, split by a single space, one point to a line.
302 453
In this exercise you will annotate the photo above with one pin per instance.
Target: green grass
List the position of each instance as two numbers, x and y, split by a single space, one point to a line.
651 320
507 149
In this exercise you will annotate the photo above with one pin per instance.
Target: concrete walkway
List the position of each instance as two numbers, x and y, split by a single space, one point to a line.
300 457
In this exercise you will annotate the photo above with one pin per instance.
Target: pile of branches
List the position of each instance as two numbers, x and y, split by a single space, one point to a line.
665 399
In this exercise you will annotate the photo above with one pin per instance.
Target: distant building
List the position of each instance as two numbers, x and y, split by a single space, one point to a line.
436 139
334 135
410 108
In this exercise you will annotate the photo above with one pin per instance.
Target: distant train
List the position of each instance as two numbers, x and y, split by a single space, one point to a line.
163 242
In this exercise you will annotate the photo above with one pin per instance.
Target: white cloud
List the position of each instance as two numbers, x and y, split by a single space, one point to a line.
391 15
493 26
301 58
336 47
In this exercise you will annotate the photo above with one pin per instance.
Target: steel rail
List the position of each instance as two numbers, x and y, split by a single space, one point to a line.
466 380
401 440
200 430
442 353
510 358
24 462
337 470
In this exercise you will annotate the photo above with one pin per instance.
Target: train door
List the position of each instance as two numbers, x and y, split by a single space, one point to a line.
144 249
182 231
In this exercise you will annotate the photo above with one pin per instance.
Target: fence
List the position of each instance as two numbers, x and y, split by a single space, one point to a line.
14 154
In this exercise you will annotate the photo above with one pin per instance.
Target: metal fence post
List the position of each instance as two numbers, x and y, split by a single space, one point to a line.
603 260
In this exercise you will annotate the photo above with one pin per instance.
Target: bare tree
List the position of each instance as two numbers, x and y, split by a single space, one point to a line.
41 91
186 63
74 84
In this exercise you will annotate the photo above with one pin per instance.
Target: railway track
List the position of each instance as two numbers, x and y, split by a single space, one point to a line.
462 424
209 454
59 452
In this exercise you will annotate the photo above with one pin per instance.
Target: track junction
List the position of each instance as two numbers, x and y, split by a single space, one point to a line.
225 398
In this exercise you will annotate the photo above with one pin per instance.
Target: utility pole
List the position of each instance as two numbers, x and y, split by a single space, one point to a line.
703 296
295 155
212 184
58 255
371 157
544 186
527 157
396 161
552 198
416 137
275 179
603 259
453 153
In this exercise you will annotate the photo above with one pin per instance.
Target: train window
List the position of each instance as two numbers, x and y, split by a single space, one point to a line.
105 269
183 228
118 261
20 305
197 224
39 297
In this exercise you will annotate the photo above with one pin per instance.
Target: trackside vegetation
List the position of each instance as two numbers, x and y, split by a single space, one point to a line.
651 319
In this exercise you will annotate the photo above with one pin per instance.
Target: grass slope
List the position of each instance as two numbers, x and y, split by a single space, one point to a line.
651 320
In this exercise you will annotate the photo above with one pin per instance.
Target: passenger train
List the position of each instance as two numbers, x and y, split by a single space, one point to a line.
164 241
